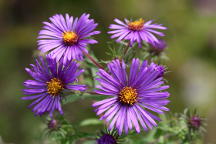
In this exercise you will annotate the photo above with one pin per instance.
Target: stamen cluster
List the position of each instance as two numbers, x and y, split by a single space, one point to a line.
70 38
54 86
128 95
136 25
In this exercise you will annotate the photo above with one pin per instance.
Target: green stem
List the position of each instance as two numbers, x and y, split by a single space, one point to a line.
93 60
126 49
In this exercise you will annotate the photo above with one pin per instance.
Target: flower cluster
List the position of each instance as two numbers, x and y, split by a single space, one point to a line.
135 91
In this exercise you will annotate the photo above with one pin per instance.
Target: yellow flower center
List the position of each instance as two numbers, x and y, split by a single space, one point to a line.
70 38
128 95
54 86
136 25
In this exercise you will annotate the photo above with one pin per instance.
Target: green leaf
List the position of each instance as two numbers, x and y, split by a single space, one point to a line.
71 98
90 121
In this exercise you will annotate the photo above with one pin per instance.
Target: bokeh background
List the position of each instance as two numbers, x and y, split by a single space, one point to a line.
191 39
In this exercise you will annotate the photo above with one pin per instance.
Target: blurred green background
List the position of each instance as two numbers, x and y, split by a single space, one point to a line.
191 38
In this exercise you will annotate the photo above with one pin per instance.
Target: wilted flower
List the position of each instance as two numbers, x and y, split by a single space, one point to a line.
67 37
136 31
133 95
49 80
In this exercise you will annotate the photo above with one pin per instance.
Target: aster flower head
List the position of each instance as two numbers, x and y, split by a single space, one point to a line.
49 81
67 37
136 31
134 96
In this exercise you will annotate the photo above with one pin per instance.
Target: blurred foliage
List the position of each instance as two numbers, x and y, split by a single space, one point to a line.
191 50
174 128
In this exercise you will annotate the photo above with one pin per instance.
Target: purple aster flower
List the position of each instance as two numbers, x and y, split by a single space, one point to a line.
136 31
49 80
67 37
159 46
133 95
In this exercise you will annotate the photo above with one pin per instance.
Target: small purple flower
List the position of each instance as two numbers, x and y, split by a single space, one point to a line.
136 31
53 124
109 137
49 80
161 69
67 37
159 46
106 139
195 122
133 95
